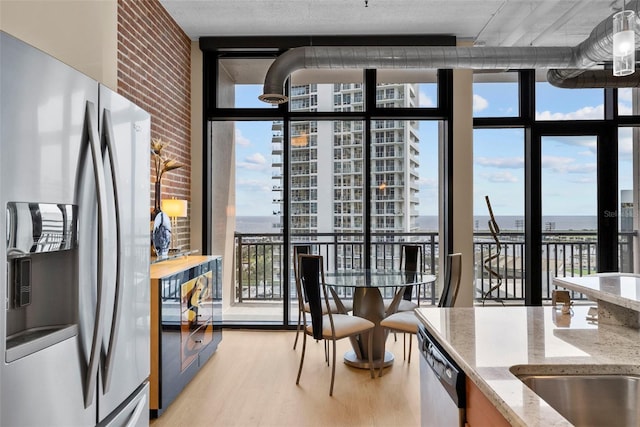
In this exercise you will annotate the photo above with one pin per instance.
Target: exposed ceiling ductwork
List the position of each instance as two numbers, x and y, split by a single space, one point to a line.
592 79
567 65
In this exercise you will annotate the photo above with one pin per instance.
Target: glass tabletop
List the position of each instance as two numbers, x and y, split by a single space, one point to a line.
376 278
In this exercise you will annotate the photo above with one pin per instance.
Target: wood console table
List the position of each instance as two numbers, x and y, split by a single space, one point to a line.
186 323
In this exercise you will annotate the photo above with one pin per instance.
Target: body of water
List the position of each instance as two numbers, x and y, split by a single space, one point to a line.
266 224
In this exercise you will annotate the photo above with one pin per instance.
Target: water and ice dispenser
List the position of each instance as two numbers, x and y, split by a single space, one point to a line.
42 276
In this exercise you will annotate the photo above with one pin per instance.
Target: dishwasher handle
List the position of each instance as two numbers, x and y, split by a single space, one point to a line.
451 377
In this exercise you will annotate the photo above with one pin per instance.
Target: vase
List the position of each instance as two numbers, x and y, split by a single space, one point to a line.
156 200
161 234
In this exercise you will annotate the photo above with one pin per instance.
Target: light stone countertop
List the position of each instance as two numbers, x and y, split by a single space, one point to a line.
622 289
617 295
489 343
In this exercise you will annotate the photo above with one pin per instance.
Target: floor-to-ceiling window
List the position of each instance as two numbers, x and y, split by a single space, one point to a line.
628 144
499 186
573 191
498 189
351 164
326 169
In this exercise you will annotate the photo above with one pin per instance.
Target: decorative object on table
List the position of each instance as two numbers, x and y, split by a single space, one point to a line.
493 273
162 165
174 209
560 297
161 234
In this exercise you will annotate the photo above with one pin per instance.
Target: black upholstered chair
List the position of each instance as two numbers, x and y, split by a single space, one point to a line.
320 322
406 322
336 306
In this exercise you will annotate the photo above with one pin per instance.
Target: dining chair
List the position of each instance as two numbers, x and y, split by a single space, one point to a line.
324 324
297 250
411 262
406 322
336 306
453 275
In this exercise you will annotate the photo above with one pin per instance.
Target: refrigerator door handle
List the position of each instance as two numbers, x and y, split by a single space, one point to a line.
135 416
108 146
90 135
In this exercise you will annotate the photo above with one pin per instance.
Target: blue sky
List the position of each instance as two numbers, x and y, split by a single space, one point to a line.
568 163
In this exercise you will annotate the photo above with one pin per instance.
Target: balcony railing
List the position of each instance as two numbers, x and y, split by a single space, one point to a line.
261 270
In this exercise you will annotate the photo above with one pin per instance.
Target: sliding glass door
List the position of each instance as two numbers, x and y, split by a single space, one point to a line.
569 207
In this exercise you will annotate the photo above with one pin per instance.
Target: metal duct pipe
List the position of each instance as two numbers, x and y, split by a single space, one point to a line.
598 48
592 79
479 58
567 62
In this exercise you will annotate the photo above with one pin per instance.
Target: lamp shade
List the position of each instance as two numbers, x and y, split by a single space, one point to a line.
624 44
174 208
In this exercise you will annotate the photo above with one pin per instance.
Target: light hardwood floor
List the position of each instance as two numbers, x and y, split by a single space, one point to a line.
251 381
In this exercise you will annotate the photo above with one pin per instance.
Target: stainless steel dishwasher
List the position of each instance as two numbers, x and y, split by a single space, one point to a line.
442 385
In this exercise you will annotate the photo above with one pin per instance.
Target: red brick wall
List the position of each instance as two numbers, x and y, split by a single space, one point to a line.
154 71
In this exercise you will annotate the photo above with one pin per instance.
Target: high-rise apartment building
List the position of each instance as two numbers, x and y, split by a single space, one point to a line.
327 173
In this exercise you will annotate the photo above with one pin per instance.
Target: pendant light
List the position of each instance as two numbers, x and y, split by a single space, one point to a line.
624 44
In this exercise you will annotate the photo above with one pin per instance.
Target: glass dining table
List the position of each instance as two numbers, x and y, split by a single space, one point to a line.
368 302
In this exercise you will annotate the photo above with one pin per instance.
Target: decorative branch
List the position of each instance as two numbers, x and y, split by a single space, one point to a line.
161 163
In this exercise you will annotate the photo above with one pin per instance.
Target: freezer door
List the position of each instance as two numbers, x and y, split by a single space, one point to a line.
134 413
125 130
43 122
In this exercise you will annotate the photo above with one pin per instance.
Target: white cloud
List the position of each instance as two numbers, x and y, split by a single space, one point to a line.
625 98
241 139
428 182
625 110
254 185
589 142
256 161
585 113
567 165
583 180
625 94
479 103
500 177
501 162
425 100
625 143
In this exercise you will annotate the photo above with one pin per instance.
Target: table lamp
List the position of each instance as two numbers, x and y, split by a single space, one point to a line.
174 208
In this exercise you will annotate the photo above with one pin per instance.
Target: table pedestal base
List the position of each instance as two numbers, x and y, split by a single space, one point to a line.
351 359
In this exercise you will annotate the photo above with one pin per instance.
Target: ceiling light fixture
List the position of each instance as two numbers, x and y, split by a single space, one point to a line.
624 43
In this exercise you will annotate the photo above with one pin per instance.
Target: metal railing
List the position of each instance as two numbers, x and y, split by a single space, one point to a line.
261 270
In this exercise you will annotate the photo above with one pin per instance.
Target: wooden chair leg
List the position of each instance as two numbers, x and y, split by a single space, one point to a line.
410 342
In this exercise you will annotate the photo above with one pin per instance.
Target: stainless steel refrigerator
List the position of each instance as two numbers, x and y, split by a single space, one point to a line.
74 192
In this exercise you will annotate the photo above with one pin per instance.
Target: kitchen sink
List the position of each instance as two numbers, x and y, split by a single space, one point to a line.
588 399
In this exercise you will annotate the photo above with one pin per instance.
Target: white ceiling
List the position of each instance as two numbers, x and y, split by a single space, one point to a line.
486 22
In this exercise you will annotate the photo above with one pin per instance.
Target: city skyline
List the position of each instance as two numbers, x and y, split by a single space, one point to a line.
498 162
